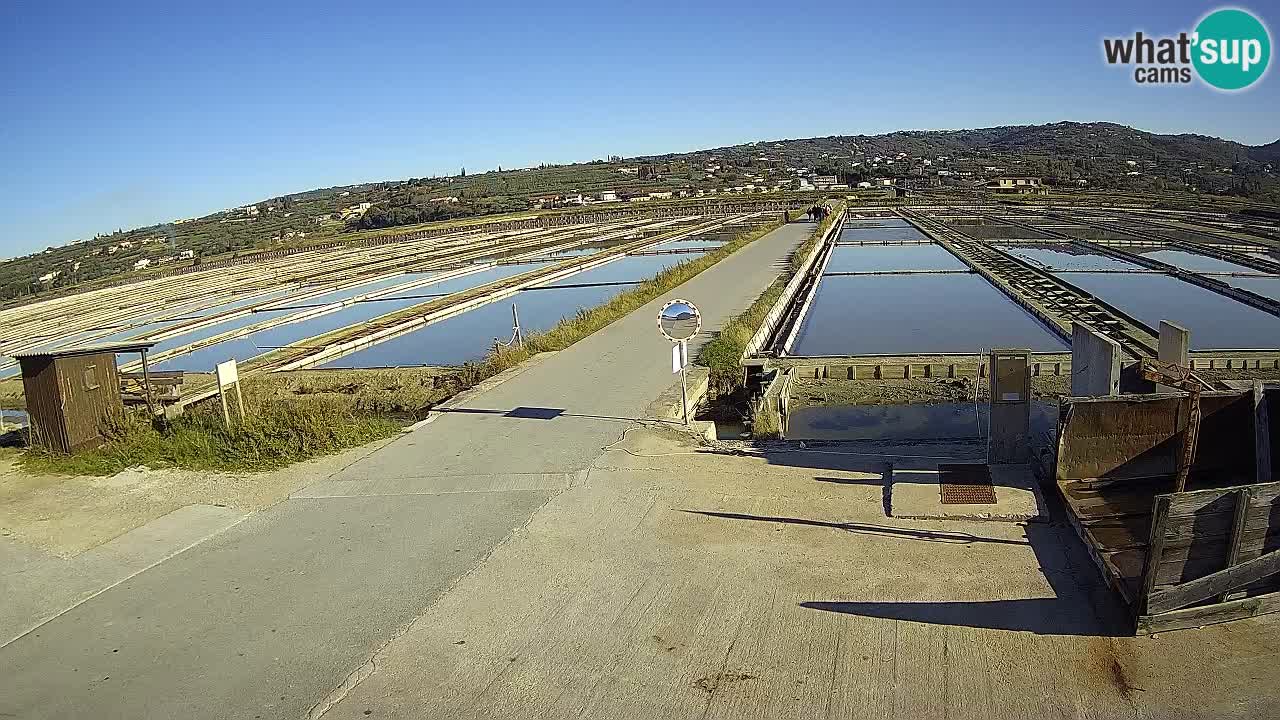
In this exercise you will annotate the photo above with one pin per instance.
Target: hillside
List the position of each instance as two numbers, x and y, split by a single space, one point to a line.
1067 154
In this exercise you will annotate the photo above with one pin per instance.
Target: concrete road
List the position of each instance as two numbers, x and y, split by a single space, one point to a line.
267 618
683 584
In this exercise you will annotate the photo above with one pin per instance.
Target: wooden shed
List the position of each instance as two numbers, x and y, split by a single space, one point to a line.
73 393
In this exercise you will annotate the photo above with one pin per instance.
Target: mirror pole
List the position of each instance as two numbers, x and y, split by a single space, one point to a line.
684 397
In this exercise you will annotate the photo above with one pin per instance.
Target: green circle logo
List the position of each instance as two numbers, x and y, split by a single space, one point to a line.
1232 49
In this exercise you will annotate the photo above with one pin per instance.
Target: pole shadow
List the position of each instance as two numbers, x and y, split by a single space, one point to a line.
544 413
1081 603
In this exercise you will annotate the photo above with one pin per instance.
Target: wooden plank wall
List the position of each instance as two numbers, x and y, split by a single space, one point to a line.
44 404
1137 436
87 408
1195 537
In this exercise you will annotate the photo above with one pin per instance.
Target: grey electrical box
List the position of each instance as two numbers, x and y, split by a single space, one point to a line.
1010 378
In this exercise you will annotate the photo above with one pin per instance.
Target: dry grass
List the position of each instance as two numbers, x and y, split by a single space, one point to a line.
279 430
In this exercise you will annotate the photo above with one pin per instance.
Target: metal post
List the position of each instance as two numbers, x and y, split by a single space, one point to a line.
515 322
684 397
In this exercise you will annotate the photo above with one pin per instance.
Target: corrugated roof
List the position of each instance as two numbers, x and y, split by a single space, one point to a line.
123 347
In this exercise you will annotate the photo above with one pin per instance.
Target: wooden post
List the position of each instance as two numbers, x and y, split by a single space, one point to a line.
1190 438
515 322
1242 497
1155 549
146 384
226 412
1261 433
240 402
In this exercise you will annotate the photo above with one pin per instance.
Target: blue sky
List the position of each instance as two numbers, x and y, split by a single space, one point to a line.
120 115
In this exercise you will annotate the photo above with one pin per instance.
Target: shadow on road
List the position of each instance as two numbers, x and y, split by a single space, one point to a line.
543 413
1038 615
1081 603
962 538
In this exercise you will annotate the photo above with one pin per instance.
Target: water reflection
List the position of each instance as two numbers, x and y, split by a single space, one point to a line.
469 336
935 421
1195 262
1216 322
889 258
1265 286
1063 258
909 314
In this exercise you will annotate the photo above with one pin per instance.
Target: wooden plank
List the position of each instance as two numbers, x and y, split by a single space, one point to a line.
1138 436
1155 550
1187 504
1214 584
1262 432
1200 558
1109 574
1209 614
155 375
1237 531
1119 533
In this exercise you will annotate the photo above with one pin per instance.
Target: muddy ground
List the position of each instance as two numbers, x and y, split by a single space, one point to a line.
811 392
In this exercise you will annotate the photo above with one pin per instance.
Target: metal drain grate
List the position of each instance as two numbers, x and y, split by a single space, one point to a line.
966 485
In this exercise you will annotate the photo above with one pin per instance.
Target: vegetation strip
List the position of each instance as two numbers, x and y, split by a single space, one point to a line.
291 420
723 354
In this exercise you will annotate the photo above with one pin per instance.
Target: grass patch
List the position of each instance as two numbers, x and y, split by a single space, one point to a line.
766 425
723 354
278 432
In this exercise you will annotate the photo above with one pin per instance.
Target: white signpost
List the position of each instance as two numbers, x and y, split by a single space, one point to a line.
229 375
678 321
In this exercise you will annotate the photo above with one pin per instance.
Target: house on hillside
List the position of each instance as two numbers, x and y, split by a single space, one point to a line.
142 264
1022 185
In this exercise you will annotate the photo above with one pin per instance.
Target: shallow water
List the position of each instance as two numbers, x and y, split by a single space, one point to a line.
469 336
344 293
1195 262
909 314
256 343
889 258
1053 258
867 232
693 243
1216 322
632 268
936 421
1264 286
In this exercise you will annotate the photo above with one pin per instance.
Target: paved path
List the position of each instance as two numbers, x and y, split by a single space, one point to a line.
268 617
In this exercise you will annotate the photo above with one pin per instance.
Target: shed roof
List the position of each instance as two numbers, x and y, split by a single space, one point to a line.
123 347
